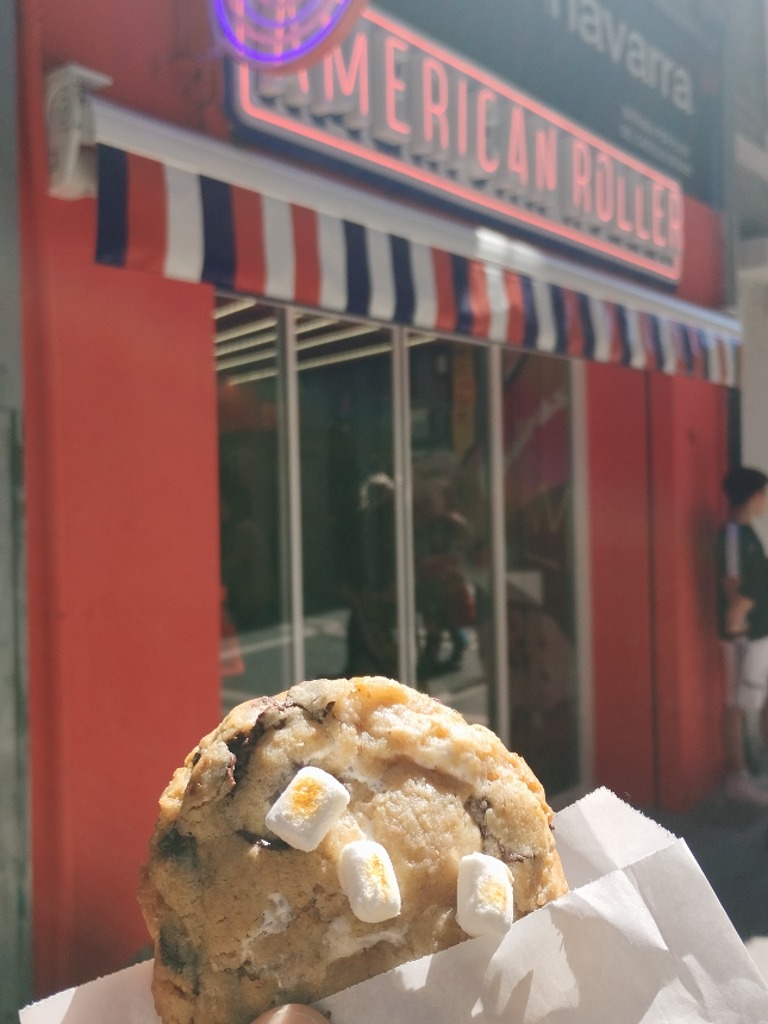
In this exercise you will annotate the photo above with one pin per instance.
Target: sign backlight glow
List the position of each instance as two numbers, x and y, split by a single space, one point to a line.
283 34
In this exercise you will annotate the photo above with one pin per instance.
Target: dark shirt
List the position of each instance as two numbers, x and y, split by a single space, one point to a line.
740 553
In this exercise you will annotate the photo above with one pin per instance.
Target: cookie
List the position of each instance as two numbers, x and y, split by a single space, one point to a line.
325 835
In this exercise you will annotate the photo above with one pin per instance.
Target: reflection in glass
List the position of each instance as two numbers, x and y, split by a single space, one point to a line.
540 566
348 496
254 624
449 452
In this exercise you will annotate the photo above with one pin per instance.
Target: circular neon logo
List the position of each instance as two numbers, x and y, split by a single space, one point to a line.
283 35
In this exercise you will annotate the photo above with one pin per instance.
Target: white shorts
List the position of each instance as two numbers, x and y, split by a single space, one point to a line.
746 673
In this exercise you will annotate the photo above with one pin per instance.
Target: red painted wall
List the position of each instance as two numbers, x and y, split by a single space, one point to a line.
121 487
158 53
657 453
621 597
689 458
702 279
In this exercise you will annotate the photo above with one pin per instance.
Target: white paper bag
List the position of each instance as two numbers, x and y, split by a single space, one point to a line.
641 937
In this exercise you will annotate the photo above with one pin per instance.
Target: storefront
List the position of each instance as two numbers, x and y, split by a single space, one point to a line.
381 366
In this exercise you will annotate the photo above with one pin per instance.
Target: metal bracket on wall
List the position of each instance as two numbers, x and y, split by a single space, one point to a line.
71 130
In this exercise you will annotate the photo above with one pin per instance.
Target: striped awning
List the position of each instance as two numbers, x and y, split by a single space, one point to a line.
157 217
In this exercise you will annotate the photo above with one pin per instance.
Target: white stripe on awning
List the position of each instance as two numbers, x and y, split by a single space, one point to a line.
281 258
184 253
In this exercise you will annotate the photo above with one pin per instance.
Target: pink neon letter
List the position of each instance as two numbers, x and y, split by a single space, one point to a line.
604 193
461 116
393 85
582 176
487 163
517 152
640 227
675 220
622 221
354 74
435 106
546 158
657 215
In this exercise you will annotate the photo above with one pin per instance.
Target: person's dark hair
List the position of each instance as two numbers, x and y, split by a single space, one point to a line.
742 483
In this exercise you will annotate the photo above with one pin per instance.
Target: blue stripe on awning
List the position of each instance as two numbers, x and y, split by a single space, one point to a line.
219 253
561 321
585 312
460 276
405 294
358 274
112 228
531 331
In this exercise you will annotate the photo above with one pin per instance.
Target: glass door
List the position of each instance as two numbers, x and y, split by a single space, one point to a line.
450 471
350 586
255 615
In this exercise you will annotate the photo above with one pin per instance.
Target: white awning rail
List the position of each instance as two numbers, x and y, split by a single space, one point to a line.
78 120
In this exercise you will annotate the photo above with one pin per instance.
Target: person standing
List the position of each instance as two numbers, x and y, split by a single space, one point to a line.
742 610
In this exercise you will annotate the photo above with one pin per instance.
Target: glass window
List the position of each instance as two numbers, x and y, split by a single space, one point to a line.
350 507
348 498
540 566
450 479
255 624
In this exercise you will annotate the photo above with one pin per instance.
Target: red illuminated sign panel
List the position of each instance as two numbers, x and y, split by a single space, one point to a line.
392 101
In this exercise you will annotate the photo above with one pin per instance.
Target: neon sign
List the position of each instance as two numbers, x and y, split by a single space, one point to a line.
283 35
393 102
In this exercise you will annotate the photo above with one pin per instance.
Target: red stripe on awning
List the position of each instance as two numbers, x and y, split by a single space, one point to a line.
679 341
478 297
250 260
574 328
516 303
646 333
446 300
308 274
615 351
146 215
